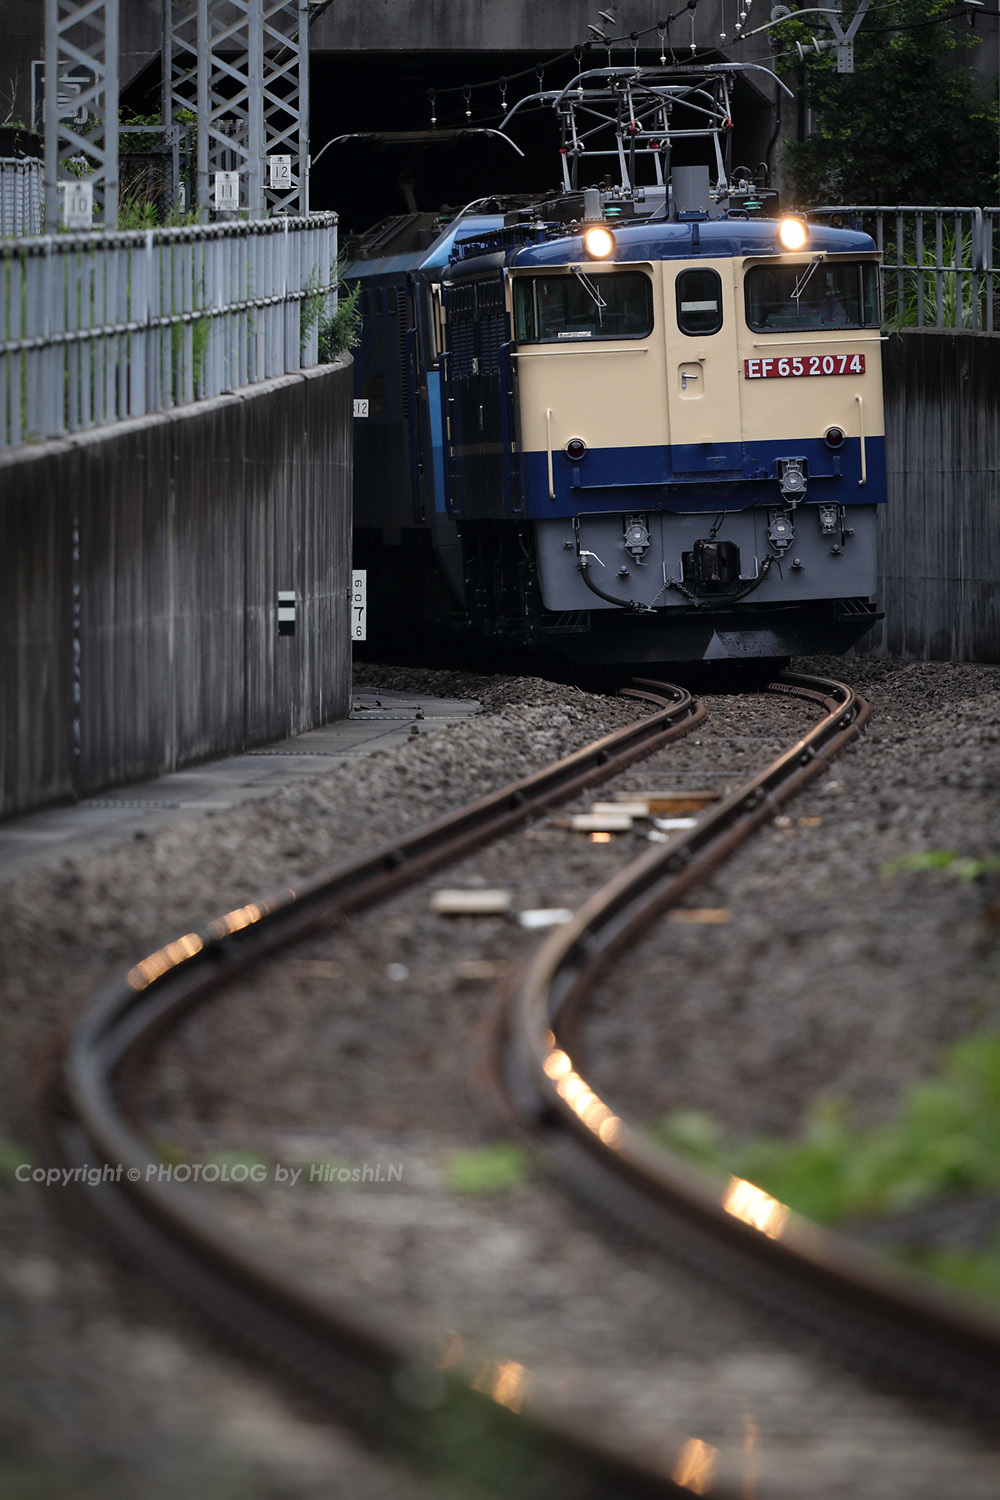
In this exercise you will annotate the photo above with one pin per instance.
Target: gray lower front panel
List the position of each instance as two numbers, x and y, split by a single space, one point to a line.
817 564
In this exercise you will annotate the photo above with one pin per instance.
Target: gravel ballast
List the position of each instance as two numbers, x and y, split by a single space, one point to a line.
368 1050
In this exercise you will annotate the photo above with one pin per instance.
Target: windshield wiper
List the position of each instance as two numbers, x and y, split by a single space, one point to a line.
805 278
594 295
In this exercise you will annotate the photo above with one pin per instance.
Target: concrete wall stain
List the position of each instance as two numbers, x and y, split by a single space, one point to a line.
941 527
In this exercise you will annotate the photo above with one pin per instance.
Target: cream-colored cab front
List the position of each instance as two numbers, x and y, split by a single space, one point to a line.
799 384
609 392
703 396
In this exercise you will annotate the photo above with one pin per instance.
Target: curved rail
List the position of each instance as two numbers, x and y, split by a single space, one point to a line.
895 1320
357 1360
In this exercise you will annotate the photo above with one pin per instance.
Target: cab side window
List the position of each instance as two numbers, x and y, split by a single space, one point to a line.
699 301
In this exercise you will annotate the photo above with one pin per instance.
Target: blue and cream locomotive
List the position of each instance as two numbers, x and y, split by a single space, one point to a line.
629 423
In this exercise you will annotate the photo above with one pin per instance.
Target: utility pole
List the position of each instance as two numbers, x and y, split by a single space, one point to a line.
242 68
81 114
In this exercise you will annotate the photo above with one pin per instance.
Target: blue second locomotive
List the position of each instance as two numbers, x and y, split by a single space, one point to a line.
629 423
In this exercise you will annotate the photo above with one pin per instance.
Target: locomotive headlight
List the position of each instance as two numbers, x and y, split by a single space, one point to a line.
599 242
793 232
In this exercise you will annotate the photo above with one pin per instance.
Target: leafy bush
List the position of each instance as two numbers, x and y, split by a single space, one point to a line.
946 1139
907 126
341 331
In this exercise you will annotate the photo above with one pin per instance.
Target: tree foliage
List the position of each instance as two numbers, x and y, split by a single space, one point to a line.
909 125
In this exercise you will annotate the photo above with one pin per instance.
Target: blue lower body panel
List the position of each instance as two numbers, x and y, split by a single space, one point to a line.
701 477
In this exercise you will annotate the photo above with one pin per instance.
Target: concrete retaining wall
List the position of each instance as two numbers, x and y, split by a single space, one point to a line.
140 567
941 526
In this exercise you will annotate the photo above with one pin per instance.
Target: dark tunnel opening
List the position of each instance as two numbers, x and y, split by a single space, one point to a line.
381 92
366 180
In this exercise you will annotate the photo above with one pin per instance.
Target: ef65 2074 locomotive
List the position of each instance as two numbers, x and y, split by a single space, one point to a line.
632 422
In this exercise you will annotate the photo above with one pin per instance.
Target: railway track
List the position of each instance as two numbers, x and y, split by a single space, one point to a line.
372 1373
904 1326
416 1394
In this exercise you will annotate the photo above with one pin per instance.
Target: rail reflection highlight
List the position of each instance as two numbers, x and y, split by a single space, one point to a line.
695 1466
158 963
580 1097
505 1381
755 1207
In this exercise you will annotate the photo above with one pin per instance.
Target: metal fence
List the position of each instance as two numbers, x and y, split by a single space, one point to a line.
941 266
97 327
22 196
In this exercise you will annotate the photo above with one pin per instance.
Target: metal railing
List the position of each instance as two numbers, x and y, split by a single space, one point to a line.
97 327
940 267
22 196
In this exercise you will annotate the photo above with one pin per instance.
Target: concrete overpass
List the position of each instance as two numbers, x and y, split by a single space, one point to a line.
394 26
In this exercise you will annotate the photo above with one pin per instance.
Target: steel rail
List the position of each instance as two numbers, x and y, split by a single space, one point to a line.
251 1292
899 1321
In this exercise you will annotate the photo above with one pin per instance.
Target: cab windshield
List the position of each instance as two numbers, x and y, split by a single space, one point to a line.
582 305
814 294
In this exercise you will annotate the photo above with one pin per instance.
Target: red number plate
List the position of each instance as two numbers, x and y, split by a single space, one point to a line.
804 364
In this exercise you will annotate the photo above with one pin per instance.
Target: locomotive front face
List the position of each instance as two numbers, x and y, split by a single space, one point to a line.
634 422
701 436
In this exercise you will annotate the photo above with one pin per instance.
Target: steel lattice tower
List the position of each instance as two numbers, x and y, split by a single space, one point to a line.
242 68
81 91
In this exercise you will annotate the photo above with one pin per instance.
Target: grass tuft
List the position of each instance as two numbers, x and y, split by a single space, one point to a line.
945 1141
496 1168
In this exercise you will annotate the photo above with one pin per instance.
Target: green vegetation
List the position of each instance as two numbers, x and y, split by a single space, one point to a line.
12 1155
942 859
946 1139
959 286
907 126
201 332
974 1271
311 306
341 331
146 189
138 212
337 331
487 1169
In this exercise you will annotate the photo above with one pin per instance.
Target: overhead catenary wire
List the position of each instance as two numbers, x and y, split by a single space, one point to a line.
660 29
576 51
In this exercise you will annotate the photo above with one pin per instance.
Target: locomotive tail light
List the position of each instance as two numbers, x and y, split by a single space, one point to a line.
834 437
575 449
599 242
793 232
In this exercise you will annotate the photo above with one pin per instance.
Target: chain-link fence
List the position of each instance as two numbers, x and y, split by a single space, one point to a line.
97 327
22 196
